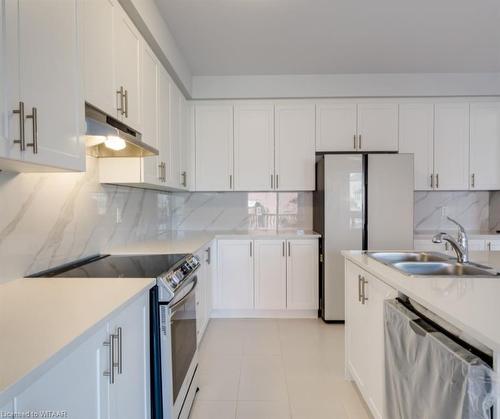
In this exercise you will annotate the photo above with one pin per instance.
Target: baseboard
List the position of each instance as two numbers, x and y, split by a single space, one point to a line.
273 314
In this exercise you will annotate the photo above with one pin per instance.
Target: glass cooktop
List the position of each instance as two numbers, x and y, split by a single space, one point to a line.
108 266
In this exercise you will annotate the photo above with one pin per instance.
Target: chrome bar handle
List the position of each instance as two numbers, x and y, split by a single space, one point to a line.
184 179
364 298
111 359
437 180
34 122
119 336
160 170
126 103
289 250
121 108
277 182
354 144
251 250
359 142
432 180
489 246
22 138
209 255
272 181
231 182
283 248
473 180
359 288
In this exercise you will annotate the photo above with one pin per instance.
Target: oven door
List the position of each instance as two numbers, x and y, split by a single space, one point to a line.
183 342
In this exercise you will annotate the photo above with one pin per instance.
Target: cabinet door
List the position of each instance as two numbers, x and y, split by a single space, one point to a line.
235 286
201 297
127 52
451 146
150 126
270 274
50 82
253 147
10 87
302 274
129 395
98 54
485 146
416 136
164 141
295 148
477 244
175 133
336 127
187 143
214 147
493 245
378 127
76 384
376 293
355 326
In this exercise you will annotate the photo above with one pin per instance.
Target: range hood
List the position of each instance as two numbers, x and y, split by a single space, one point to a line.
107 137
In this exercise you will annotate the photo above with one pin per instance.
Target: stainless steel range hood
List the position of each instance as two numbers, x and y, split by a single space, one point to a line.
107 137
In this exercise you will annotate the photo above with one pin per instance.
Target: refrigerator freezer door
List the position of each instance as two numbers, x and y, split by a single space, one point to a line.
390 202
343 229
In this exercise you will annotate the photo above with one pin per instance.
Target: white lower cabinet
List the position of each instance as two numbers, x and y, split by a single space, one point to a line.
204 290
75 385
267 276
365 296
80 383
270 274
235 287
302 274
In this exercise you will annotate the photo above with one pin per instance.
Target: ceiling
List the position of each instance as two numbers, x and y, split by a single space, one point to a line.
253 37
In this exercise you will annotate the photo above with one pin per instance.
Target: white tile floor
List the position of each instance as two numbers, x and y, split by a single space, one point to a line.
274 369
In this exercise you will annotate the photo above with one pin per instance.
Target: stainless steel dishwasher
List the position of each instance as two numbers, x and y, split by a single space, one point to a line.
430 372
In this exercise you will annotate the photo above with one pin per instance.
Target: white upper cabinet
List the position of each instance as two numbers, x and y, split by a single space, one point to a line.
416 136
98 54
149 74
214 147
127 52
302 274
234 288
485 146
336 126
451 146
253 147
295 147
42 78
377 127
175 134
270 274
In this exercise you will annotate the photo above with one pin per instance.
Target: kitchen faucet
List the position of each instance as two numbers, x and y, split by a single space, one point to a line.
460 245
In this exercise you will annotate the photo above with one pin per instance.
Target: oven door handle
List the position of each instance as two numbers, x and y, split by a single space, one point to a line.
183 299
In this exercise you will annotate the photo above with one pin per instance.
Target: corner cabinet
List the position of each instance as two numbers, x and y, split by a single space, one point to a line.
80 384
267 277
295 147
43 107
365 296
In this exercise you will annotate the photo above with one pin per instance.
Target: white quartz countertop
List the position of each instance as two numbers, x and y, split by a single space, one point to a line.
471 304
43 319
192 241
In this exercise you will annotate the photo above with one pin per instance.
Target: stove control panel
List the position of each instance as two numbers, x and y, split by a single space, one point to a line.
181 272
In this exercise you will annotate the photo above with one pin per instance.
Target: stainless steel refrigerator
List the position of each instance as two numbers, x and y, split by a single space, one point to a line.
362 202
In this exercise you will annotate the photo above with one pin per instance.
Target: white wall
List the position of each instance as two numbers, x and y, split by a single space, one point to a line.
345 85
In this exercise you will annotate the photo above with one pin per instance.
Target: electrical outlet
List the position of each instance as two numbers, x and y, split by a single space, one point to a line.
118 216
444 212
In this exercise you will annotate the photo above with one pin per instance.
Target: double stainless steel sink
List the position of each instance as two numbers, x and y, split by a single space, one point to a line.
430 264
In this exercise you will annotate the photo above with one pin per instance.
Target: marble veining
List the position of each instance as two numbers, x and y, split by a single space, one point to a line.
471 209
53 218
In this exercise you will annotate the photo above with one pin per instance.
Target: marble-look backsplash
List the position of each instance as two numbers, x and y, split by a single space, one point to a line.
242 211
53 218
471 209
494 211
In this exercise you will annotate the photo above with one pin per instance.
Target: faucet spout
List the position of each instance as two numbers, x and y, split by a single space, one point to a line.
460 246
